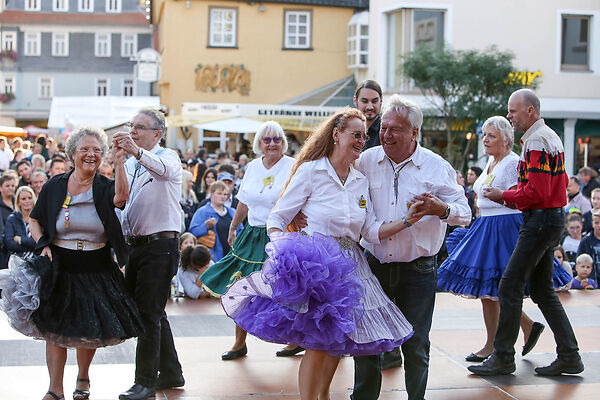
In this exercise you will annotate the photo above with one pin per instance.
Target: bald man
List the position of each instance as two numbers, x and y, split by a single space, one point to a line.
540 195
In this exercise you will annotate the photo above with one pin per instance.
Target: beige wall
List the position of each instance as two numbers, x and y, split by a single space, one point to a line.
529 28
276 75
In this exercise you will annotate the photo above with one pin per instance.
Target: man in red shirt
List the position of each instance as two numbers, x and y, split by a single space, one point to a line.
540 195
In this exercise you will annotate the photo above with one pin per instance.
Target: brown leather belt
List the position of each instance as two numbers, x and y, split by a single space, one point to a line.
136 241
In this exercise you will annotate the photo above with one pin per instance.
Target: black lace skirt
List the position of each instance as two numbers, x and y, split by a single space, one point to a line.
84 302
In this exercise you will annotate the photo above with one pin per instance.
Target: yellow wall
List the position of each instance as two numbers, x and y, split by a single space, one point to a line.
276 75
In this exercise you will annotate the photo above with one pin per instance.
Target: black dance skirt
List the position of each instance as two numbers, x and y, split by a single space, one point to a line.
83 301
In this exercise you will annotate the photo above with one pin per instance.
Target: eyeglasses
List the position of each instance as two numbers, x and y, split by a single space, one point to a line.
86 150
267 140
138 127
359 136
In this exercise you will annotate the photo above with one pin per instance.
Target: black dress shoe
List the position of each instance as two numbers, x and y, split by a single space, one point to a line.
536 331
493 365
559 366
169 382
232 355
475 358
391 359
137 392
291 352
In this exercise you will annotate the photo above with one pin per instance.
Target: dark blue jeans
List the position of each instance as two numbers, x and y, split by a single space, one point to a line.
148 277
532 260
412 287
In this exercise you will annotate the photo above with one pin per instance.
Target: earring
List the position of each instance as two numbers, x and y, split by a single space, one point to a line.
334 142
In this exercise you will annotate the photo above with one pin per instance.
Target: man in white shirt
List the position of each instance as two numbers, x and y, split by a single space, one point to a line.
400 172
6 154
151 221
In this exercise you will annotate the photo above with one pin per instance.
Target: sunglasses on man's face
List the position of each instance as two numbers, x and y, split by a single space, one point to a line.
267 140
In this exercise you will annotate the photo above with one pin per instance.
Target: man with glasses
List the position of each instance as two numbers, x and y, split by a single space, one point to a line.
151 221
400 172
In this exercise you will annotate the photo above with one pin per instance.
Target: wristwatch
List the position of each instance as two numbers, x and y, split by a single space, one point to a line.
139 154
446 214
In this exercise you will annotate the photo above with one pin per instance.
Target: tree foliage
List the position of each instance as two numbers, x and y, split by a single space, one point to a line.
464 87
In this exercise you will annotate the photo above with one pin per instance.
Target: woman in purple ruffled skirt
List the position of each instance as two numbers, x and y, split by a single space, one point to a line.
316 289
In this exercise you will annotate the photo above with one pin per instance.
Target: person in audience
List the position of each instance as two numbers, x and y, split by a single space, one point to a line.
587 217
584 268
574 235
17 236
8 182
38 179
576 199
590 245
589 181
561 256
194 261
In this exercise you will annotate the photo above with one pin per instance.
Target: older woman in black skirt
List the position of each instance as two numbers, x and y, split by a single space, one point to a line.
83 300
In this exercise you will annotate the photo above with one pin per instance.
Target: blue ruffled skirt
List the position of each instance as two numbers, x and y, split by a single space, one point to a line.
478 257
315 294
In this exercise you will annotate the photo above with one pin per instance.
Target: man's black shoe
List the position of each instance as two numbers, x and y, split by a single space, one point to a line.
493 366
559 366
137 392
232 355
391 359
168 383
289 353
534 335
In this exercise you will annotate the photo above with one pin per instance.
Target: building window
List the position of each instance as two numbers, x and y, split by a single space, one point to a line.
113 6
32 44
60 5
575 43
408 29
46 88
297 30
358 40
32 5
102 87
128 87
9 41
128 44
222 27
85 5
102 45
60 44
8 85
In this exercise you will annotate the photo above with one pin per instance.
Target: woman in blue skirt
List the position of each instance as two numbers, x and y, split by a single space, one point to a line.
477 261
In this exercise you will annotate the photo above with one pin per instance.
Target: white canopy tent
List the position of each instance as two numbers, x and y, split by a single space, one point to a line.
239 125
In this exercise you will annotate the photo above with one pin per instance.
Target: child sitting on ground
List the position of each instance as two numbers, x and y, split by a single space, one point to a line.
194 261
584 268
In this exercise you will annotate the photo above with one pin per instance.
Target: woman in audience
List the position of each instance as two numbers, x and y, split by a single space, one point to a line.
17 236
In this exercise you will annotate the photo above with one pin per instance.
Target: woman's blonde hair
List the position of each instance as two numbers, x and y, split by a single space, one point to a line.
21 190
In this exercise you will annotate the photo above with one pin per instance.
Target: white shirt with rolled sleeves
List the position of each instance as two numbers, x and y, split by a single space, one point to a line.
424 172
330 207
155 190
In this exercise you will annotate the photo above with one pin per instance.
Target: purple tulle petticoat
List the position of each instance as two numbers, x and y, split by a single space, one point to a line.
315 294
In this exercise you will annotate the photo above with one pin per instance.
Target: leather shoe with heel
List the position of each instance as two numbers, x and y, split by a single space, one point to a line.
475 358
232 355
559 367
289 352
137 392
493 365
534 335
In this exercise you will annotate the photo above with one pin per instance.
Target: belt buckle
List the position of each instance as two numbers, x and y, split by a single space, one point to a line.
80 245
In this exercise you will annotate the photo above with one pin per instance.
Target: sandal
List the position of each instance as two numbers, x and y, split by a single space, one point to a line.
81 394
54 396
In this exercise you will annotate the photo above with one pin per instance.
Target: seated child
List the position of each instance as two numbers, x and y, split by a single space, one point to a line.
584 267
194 261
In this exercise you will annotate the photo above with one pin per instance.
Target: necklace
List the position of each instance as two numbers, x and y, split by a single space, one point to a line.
81 183
343 180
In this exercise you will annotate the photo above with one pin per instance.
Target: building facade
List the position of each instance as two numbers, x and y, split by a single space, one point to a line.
556 40
68 48
247 52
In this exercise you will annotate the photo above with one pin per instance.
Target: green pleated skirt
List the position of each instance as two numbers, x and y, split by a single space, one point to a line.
246 256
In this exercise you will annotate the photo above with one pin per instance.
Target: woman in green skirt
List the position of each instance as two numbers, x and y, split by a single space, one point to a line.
262 184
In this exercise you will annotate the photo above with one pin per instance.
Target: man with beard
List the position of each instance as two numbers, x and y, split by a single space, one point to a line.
368 98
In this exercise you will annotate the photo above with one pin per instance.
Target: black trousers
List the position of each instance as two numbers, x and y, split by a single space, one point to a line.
148 277
532 260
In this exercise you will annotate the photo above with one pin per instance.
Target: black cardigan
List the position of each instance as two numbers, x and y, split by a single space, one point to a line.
51 199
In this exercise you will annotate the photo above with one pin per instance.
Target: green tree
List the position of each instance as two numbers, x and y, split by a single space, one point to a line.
464 87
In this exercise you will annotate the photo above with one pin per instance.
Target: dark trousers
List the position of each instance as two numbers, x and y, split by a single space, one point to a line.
532 260
411 286
148 277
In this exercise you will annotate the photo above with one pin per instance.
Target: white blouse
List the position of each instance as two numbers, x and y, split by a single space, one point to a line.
261 188
504 177
330 207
